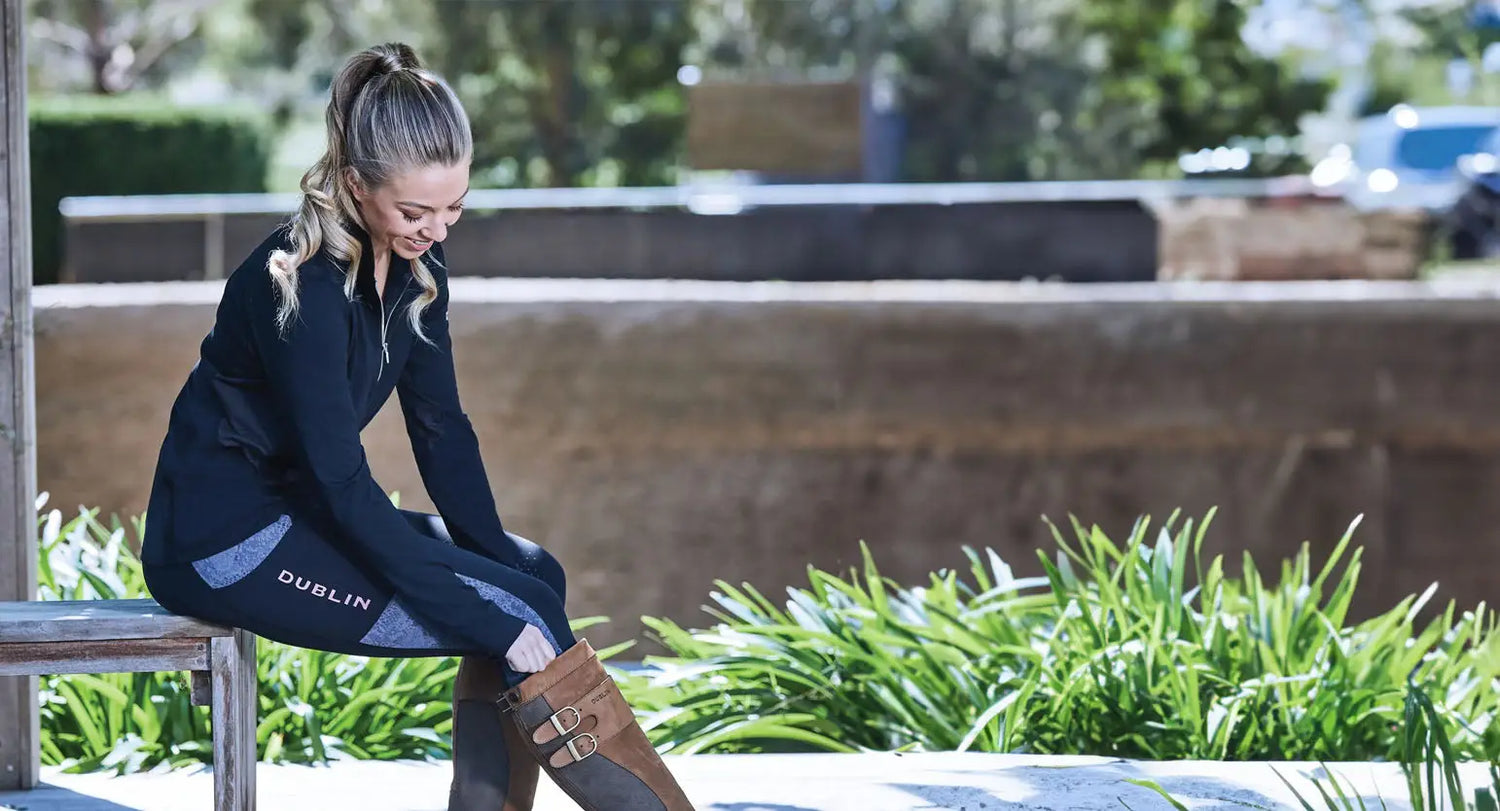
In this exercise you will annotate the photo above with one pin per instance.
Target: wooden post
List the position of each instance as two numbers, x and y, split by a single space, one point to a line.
19 749
232 671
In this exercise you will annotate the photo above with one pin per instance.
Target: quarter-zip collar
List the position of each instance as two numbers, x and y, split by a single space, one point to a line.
397 269
385 312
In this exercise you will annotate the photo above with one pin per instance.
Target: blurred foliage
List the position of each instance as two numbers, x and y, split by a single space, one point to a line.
571 93
77 143
1178 76
113 46
586 92
1043 89
1409 63
568 93
287 52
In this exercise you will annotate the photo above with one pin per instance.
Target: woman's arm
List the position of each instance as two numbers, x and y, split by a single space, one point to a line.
307 370
443 440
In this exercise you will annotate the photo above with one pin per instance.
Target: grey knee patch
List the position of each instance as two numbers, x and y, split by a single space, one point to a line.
512 605
237 562
397 628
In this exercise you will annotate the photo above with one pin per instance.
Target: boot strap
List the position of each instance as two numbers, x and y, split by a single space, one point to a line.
575 750
595 718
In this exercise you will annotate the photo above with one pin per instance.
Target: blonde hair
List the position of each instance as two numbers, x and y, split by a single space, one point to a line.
386 116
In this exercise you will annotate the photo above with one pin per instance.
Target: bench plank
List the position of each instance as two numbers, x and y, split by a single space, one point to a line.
111 656
124 636
85 620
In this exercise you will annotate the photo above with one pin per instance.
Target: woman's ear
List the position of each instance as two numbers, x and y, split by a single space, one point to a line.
351 181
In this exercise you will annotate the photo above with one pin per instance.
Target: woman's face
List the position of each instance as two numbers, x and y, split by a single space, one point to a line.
414 209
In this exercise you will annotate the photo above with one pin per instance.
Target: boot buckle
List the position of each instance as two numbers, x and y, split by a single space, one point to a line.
557 725
573 750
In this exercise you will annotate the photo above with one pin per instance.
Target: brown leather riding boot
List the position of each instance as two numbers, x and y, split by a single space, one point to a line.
576 723
492 768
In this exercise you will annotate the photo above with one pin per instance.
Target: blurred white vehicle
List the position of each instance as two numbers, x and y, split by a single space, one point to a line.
1408 158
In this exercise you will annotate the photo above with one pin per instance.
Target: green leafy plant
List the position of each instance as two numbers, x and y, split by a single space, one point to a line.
1431 761
1133 649
1136 649
1330 791
1428 760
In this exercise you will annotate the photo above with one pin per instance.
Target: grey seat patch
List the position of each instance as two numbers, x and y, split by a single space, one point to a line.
237 562
397 628
512 605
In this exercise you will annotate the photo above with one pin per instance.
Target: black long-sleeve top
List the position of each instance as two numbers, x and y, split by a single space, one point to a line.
268 424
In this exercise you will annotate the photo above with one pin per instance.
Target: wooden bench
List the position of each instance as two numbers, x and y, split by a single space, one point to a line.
139 636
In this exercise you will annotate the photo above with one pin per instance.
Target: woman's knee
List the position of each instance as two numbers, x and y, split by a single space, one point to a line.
551 572
542 565
430 525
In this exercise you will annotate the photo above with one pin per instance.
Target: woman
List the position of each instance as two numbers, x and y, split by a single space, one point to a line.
263 512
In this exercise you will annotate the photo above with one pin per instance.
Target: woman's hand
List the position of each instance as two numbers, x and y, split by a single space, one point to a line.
531 651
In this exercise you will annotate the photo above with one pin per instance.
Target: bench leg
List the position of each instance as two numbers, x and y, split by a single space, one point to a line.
232 660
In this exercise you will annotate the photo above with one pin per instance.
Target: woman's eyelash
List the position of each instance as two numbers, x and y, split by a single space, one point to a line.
410 218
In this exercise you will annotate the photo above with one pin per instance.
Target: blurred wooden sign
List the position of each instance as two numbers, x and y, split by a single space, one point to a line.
804 128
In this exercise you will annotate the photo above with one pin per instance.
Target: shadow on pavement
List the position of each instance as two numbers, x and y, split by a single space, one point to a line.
47 797
758 807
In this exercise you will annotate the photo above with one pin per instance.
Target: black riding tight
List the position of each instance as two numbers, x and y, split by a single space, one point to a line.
291 584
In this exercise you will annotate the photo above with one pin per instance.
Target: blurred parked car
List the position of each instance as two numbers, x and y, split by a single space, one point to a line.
1409 158
1474 220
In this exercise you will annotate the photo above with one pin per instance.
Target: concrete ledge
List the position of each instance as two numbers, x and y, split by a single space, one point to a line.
867 782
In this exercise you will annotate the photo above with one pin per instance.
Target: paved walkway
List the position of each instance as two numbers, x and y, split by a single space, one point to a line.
866 782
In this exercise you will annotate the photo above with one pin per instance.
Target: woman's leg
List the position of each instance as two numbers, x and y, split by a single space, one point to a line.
524 556
293 584
492 769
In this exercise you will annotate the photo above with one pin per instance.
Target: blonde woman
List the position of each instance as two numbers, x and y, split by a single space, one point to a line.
263 512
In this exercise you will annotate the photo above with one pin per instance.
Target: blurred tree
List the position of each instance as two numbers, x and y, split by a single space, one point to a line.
570 92
1403 50
114 43
582 92
1424 38
1030 89
286 52
1177 76
989 88
1451 28
979 81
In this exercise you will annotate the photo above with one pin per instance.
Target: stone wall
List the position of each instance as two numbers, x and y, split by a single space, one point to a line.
657 436
1283 240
